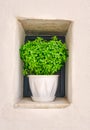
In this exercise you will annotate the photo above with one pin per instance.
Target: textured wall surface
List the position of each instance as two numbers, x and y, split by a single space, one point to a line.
77 115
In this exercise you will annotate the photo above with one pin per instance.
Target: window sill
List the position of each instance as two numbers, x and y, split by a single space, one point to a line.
28 103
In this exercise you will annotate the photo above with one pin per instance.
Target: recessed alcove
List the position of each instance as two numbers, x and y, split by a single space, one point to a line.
41 27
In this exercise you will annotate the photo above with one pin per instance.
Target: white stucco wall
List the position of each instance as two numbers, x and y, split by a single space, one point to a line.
77 115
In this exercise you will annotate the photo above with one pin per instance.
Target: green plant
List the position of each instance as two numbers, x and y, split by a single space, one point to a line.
41 57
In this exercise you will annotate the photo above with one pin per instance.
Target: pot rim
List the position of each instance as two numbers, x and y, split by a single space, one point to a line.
43 75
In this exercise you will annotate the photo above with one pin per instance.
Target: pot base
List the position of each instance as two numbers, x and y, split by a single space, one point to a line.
43 99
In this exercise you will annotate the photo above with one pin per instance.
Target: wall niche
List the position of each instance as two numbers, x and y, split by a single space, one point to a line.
30 29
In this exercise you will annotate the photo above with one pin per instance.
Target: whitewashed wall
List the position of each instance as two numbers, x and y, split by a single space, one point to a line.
77 115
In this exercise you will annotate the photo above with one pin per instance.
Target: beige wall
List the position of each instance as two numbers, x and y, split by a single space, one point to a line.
77 115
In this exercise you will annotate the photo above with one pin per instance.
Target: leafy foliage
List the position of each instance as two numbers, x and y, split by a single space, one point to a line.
41 57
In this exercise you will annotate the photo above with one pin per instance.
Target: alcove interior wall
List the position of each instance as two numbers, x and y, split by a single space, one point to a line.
44 27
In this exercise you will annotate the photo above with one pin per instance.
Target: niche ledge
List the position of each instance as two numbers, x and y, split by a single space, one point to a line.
28 103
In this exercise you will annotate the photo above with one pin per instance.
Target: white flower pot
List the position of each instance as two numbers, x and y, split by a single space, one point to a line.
43 87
